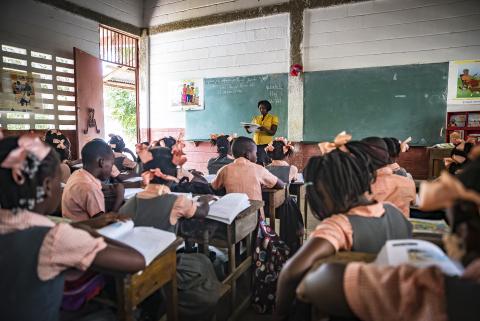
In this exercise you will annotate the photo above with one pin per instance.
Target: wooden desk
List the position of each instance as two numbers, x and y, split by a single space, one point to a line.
133 289
228 236
435 160
276 197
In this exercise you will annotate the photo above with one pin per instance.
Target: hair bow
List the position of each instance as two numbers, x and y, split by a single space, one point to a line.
338 143
29 146
443 192
143 153
231 137
179 157
404 145
287 145
148 176
60 143
269 147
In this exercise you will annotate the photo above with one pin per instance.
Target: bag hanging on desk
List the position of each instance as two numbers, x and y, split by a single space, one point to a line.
292 228
269 256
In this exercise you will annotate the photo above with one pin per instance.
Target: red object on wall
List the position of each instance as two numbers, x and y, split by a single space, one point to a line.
88 94
296 70
467 123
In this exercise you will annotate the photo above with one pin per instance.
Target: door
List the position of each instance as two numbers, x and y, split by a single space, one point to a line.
89 97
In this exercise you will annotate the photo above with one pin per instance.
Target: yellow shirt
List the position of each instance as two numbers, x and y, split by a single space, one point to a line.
261 138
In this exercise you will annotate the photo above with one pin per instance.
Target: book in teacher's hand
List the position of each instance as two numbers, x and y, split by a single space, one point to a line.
250 126
149 241
227 208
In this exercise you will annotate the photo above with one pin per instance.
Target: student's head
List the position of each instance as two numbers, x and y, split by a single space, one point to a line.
167 141
264 106
279 149
394 148
161 159
59 142
36 184
456 138
116 143
337 182
466 71
245 147
222 142
98 159
378 152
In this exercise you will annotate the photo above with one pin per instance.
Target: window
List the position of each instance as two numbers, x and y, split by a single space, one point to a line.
53 104
117 47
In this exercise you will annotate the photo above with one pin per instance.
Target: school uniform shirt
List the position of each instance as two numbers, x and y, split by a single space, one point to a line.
261 138
243 176
82 197
398 170
406 292
63 247
396 189
338 230
293 169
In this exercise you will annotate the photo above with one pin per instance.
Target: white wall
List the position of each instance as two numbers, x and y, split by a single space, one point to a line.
248 47
129 11
38 26
163 11
391 32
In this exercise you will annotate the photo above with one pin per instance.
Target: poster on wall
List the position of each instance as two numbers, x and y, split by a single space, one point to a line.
186 94
22 88
464 82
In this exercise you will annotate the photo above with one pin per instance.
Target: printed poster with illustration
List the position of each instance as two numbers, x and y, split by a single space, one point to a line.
22 88
464 82
186 94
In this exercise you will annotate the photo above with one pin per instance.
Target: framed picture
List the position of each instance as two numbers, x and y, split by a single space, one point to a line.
22 88
464 82
186 94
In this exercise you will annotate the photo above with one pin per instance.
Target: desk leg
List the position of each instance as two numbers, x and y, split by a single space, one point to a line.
124 296
172 294
271 207
305 214
232 266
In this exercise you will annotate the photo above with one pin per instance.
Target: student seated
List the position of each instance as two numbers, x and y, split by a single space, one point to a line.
338 195
83 197
160 166
372 292
223 143
39 251
388 187
122 162
395 147
244 175
61 144
158 208
459 156
278 150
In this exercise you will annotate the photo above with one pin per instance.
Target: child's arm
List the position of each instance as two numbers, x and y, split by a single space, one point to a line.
204 205
279 184
119 190
294 270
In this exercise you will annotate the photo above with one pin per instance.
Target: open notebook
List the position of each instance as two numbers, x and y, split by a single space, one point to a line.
149 241
227 208
418 253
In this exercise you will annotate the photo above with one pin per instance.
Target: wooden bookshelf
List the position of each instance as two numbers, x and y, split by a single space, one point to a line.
467 123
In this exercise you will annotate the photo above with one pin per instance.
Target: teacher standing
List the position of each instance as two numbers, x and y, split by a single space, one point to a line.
268 127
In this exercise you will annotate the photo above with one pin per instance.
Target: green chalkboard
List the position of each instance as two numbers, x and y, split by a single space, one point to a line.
395 101
229 101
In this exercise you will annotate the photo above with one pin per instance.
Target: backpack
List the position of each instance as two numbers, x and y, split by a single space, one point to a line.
269 256
292 229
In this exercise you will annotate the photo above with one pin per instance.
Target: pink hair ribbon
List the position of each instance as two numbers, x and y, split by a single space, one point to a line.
338 143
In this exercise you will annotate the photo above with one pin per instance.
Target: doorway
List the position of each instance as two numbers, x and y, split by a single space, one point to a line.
119 55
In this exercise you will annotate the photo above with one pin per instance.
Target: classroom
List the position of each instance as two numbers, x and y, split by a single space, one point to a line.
214 160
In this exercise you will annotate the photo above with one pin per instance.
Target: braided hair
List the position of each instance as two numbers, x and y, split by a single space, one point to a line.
339 181
393 146
223 145
25 196
162 159
377 151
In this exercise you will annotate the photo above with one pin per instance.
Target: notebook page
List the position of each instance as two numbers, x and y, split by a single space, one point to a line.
116 230
131 192
149 241
228 207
